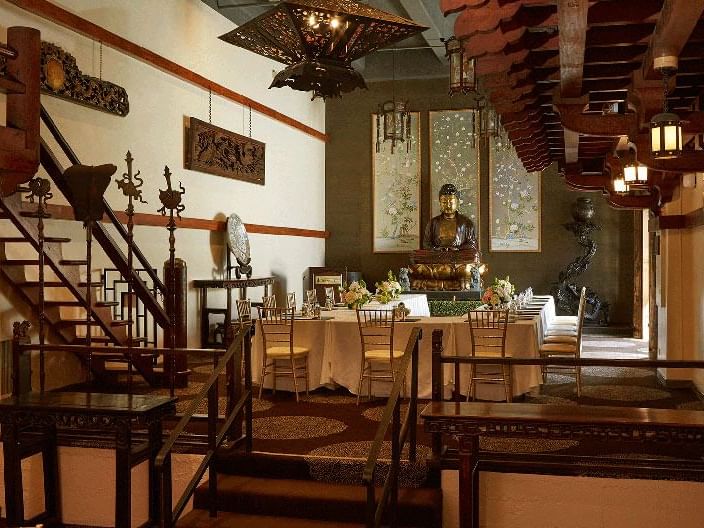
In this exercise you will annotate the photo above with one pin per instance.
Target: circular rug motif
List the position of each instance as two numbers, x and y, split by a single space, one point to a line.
524 445
345 462
544 399
623 392
375 413
330 399
617 372
295 427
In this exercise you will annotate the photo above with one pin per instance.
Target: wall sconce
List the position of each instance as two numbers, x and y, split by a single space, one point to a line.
619 184
666 127
463 77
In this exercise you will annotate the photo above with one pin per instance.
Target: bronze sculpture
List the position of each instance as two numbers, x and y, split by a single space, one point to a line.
450 230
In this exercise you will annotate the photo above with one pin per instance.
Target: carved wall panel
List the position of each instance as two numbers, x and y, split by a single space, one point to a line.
214 150
61 77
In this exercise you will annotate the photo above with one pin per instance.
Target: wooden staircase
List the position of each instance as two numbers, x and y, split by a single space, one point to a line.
272 491
65 291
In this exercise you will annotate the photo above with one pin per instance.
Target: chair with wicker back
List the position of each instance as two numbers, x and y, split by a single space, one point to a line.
269 301
376 331
291 300
276 326
487 332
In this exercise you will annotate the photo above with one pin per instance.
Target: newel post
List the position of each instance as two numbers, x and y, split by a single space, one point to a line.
438 386
178 313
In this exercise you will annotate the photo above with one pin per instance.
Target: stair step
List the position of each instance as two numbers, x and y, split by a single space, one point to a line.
56 283
22 239
19 262
202 519
96 340
76 322
34 214
121 322
316 500
72 262
97 304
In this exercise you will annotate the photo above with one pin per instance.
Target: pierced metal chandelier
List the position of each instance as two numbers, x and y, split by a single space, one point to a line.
319 39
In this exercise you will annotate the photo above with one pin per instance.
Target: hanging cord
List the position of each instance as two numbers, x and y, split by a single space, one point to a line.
210 106
666 90
100 71
250 121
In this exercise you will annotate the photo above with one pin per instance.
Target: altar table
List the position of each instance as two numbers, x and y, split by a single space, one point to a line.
335 356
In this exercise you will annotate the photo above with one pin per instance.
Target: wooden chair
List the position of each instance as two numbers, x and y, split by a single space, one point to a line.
487 331
244 312
276 326
566 345
291 300
566 325
269 301
376 332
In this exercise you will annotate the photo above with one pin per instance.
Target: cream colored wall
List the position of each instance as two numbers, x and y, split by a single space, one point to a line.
186 31
681 287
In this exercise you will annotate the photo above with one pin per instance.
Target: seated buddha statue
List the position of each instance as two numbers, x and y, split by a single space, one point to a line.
450 258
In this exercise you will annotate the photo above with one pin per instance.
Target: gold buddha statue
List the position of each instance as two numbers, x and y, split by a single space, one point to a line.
450 260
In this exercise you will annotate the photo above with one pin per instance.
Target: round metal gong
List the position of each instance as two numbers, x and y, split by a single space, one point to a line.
237 239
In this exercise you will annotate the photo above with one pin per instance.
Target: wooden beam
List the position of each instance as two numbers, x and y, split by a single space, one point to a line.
58 15
65 212
572 18
677 21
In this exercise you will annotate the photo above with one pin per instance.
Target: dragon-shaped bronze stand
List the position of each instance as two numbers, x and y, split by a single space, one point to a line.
130 185
171 201
40 189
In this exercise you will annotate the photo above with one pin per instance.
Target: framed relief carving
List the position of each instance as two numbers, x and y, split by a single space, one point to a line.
515 204
396 192
454 158
218 151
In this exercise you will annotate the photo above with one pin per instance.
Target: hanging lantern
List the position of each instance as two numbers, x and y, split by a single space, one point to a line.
394 119
463 77
619 184
666 127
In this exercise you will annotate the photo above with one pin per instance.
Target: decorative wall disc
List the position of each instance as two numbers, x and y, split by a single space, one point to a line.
237 239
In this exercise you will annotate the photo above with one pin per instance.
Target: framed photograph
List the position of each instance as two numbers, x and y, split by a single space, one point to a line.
396 192
454 158
515 204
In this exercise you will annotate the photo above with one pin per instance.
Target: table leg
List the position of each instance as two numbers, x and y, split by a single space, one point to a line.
204 317
14 499
468 491
123 476
155 443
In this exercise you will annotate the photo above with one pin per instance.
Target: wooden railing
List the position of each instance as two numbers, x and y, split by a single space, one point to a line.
468 421
400 434
230 362
111 248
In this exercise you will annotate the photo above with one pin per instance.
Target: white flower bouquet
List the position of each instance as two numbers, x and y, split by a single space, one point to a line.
356 295
500 292
388 290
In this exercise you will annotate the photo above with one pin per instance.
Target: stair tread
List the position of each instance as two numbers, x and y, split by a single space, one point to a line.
72 262
312 498
55 283
202 519
19 262
121 322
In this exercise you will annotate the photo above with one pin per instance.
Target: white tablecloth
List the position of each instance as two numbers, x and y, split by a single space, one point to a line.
335 351
417 303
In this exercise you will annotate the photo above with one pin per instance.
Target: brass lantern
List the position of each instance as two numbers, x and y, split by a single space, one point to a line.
619 184
666 127
463 77
393 124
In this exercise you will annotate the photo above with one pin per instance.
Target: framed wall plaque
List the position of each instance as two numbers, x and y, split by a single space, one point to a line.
214 150
396 192
515 204
454 158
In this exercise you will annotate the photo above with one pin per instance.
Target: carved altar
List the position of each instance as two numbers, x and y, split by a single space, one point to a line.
432 270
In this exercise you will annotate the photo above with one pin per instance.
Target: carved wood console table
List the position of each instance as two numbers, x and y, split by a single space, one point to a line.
227 284
468 421
29 426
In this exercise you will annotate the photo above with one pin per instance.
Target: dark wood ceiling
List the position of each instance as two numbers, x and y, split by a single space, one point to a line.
534 55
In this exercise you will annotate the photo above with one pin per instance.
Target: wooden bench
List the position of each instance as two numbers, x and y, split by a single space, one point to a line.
468 421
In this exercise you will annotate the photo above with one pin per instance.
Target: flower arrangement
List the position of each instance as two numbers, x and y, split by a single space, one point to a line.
500 292
388 290
356 295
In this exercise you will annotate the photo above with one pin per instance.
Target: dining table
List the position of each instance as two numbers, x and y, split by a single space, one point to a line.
335 353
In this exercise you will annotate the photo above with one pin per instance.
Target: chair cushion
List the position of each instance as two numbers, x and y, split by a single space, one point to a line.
380 354
561 339
558 349
564 319
284 351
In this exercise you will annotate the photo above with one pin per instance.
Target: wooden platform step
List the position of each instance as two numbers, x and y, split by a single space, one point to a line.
310 499
202 519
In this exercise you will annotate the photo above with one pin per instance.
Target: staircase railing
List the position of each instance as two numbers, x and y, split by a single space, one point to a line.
231 363
55 171
400 434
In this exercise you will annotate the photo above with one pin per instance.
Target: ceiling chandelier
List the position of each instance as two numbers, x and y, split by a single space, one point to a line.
319 39
463 79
